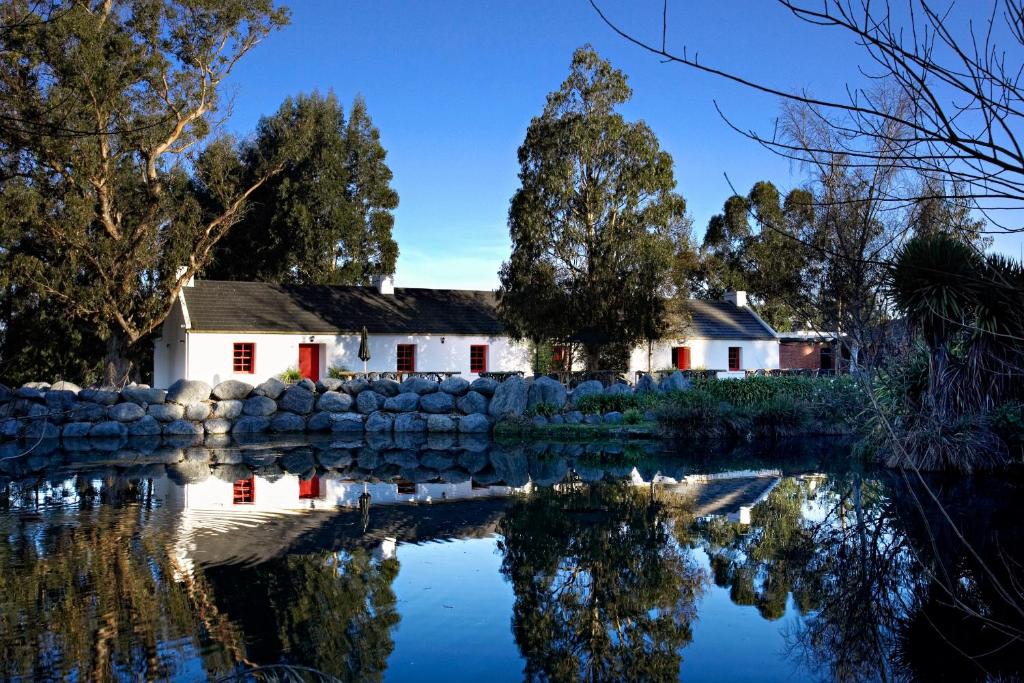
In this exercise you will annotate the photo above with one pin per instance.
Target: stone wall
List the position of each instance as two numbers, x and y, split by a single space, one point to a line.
38 411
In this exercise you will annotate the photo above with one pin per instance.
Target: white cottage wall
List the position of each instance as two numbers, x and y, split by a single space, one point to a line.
169 349
710 354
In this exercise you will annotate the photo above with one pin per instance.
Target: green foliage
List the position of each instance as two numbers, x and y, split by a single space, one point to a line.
633 416
598 404
837 398
290 375
327 217
337 371
781 415
595 223
543 409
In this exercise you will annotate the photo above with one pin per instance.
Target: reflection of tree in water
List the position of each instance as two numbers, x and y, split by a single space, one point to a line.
330 611
603 590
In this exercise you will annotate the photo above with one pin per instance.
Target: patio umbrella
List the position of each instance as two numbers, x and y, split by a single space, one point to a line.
364 348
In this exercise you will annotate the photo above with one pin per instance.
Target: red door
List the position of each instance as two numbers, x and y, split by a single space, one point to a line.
309 361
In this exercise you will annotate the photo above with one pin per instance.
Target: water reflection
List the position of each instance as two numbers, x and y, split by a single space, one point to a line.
175 560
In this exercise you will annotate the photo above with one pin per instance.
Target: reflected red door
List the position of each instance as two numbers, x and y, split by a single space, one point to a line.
309 361
309 488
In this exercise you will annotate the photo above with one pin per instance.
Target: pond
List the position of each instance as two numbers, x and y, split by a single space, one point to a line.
466 560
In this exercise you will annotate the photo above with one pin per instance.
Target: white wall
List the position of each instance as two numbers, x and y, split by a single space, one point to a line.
210 354
710 354
169 349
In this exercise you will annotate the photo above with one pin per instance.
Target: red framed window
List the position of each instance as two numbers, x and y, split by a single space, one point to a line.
309 488
734 359
406 358
244 491
406 488
243 357
478 358
681 357
559 355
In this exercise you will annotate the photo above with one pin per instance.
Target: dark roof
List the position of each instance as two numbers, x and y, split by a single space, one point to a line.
724 320
215 305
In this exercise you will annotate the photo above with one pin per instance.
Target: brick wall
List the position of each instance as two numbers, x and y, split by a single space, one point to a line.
800 355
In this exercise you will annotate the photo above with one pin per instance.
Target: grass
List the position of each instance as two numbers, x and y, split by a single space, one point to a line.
523 428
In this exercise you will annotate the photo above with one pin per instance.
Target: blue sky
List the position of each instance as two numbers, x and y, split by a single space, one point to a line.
452 87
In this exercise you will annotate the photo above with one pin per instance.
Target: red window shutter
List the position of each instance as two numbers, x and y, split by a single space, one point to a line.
406 358
734 359
243 357
684 358
244 491
478 358
309 488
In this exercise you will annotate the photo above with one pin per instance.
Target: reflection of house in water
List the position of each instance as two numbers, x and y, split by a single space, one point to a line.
726 494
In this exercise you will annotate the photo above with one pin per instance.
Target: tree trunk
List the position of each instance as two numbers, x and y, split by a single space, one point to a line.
593 357
117 367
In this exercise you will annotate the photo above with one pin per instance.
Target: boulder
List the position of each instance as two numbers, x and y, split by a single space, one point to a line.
183 428
386 387
5 393
307 384
592 419
548 391
217 425
473 461
166 412
87 411
287 422
645 385
509 398
511 465
186 391
197 411
147 425
368 402
272 388
61 385
354 387
453 476
30 392
548 471
474 424
40 430
380 422
410 422
419 385
591 386
557 420
12 429
441 423
106 397
320 422
251 424
405 402
472 403
441 441
73 430
232 390
125 412
227 409
455 385
335 402
613 418
297 399
108 429
259 406
145 395
438 403
617 388
676 382
298 461
539 421
60 400
329 384
485 386
347 422
334 458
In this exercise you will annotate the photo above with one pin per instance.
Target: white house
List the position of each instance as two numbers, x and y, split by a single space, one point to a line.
252 331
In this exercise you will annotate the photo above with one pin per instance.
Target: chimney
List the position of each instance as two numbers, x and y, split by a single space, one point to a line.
737 298
385 284
181 271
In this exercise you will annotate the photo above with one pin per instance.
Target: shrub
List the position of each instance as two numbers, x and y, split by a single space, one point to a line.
545 409
606 403
290 375
337 371
632 416
781 415
694 413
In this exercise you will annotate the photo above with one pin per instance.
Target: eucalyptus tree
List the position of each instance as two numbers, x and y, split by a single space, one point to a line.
106 107
595 221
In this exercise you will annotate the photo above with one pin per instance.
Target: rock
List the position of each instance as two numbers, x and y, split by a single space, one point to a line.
675 382
166 412
539 421
74 430
440 423
645 385
61 385
297 399
509 398
334 458
226 409
147 425
108 429
251 424
86 411
145 395
197 412
125 412
217 425
320 422
591 386
405 402
511 465
5 393
557 420
453 476
298 461
354 387
613 418
329 384
650 415
232 390
547 391
368 402
272 388
548 471
30 392
386 387
287 422
455 385
347 422
472 403
439 403
410 422
592 419
259 406
474 424
104 397
485 386
307 384
473 461
617 388
419 385
335 402
183 428
39 430
186 391
12 429
380 422
59 400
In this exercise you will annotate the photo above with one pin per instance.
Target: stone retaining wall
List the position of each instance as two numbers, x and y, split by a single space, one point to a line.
38 411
